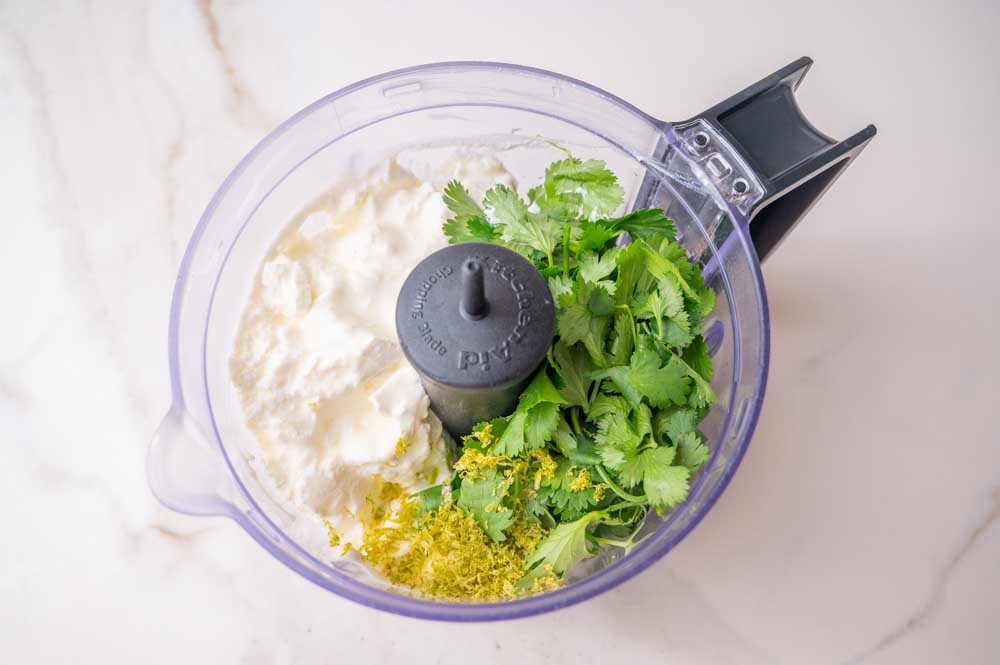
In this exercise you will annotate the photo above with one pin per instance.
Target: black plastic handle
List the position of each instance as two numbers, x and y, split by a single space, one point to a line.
794 161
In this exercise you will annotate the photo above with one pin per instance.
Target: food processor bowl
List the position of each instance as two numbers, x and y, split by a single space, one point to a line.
201 458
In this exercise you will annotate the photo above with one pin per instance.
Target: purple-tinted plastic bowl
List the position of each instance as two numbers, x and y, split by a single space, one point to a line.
198 459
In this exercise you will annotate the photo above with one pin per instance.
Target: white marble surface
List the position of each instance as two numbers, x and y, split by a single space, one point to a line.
862 526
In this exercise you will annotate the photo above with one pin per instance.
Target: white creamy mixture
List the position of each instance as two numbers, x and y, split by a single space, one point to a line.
324 386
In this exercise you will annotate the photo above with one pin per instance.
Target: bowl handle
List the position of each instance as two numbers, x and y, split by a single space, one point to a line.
793 161
185 471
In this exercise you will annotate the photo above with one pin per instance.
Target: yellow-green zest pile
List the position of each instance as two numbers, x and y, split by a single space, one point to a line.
607 428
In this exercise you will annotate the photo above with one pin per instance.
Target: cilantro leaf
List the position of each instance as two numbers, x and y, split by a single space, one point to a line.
594 235
589 184
631 268
692 451
541 424
630 470
585 453
479 497
706 298
528 230
576 323
644 223
430 499
511 442
541 389
665 301
600 303
460 202
469 223
675 423
564 438
619 379
702 395
643 421
558 492
594 267
572 365
676 331
624 338
573 323
560 286
604 404
660 385
538 513
616 440
566 545
697 358
504 207
471 229
665 485
660 267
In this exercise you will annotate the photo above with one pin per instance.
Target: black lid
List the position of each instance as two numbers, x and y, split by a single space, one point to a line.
474 317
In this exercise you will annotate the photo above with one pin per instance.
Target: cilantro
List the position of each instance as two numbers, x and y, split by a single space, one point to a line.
665 485
594 267
560 286
583 188
577 323
526 230
702 395
661 385
619 380
595 235
604 404
541 389
565 545
643 421
692 451
458 200
633 468
558 491
564 438
430 499
616 440
573 366
479 497
665 301
585 453
661 267
511 442
675 423
541 424
600 302
469 223
608 426
645 223
573 323
469 230
697 358
623 341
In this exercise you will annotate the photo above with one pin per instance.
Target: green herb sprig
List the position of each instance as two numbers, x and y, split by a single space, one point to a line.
608 428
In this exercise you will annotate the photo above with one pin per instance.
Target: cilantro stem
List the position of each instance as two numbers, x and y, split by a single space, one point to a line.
606 479
574 417
565 256
621 505
624 544
594 389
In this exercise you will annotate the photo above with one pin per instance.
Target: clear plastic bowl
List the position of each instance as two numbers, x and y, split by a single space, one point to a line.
198 460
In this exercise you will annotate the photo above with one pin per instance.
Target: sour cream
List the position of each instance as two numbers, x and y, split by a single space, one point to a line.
324 387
